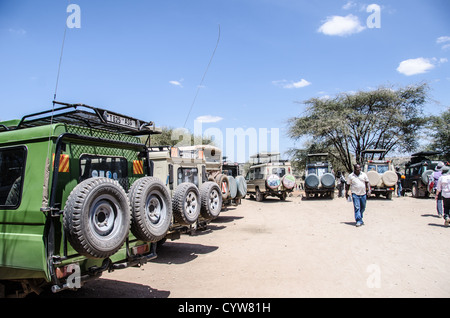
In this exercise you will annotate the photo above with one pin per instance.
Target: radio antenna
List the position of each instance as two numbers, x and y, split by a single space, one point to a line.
203 78
60 58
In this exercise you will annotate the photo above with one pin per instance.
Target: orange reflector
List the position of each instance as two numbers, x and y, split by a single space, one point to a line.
141 249
174 152
63 163
138 167
224 187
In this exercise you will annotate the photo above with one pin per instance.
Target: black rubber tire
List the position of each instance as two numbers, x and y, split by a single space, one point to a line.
97 217
415 191
259 196
211 200
186 203
151 209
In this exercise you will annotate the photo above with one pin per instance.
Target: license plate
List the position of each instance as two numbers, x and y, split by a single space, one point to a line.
120 120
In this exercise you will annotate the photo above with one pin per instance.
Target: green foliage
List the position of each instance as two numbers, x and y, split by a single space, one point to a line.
439 127
350 123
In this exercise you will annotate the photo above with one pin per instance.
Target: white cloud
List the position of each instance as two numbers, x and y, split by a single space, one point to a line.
17 31
445 41
349 5
419 65
291 84
176 83
341 26
208 119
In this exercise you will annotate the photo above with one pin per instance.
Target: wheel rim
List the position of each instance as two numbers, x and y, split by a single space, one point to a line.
105 216
191 203
155 208
214 200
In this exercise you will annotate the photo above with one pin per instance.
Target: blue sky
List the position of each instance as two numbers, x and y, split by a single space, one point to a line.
147 59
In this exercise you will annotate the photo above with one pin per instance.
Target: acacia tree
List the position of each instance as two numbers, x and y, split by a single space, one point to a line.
351 123
439 127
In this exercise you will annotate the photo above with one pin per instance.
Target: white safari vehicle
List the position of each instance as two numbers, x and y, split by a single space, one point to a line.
381 173
319 176
195 200
269 176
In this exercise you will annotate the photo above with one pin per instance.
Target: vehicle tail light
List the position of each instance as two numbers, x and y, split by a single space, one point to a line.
141 249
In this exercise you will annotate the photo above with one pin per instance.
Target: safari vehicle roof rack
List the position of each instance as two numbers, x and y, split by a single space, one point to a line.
317 158
382 153
426 153
422 156
85 115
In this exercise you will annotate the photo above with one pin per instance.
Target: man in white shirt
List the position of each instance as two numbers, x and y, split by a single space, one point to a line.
359 183
443 188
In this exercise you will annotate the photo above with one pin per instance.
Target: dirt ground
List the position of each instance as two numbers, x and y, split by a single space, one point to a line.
297 248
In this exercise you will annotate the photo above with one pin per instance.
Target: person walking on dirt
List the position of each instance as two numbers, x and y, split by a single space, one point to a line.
436 175
359 183
443 188
340 178
399 182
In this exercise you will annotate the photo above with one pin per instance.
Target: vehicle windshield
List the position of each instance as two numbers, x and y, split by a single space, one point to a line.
319 171
380 168
279 171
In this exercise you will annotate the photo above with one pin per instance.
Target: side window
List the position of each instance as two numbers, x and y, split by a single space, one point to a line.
259 174
12 167
116 168
252 174
188 175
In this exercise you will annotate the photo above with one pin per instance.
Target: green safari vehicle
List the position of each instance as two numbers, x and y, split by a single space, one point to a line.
77 198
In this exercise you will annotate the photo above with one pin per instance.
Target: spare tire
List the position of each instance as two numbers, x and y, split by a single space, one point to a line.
211 200
224 184
273 181
233 186
186 203
389 178
241 187
96 217
288 181
312 181
327 180
425 175
374 178
151 209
